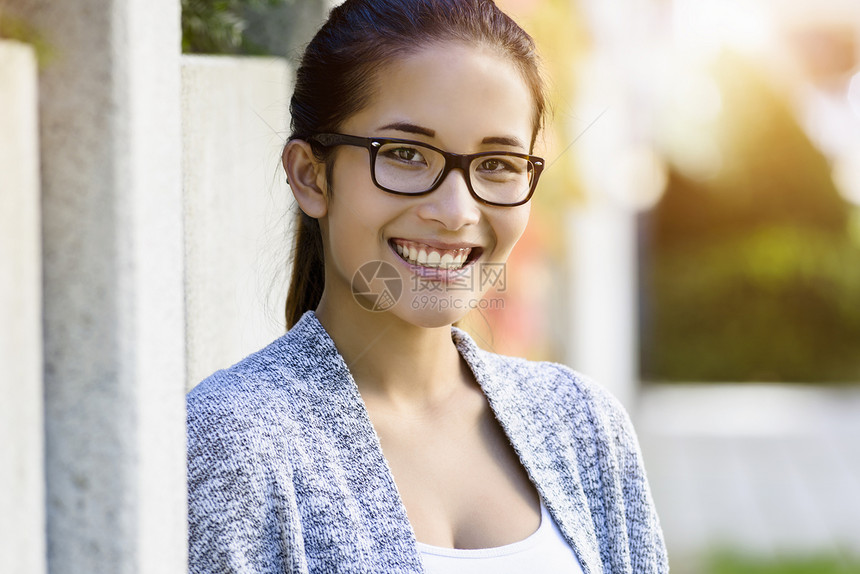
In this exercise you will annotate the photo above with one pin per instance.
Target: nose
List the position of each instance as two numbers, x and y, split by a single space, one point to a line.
451 204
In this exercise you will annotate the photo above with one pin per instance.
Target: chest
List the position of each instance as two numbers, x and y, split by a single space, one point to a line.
461 482
364 489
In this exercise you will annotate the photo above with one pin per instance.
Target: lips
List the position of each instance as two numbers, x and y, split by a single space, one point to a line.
433 257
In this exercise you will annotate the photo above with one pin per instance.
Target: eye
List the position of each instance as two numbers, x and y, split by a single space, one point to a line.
499 164
492 165
405 154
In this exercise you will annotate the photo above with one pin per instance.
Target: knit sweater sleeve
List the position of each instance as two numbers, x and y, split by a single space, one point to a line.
241 506
646 547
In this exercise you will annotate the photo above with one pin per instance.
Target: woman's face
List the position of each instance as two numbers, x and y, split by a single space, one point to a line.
459 98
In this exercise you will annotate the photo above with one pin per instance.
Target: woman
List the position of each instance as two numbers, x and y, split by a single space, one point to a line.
373 436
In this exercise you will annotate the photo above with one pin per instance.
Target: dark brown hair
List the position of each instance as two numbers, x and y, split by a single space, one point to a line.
336 76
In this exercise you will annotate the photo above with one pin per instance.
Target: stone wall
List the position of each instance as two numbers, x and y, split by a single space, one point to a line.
112 285
22 487
236 205
115 291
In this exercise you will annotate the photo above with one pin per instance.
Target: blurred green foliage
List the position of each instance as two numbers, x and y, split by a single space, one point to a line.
731 563
249 27
218 26
754 274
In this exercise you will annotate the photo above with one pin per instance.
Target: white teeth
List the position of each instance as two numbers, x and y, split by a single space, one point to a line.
433 259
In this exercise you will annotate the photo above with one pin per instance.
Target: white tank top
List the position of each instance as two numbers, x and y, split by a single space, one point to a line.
545 551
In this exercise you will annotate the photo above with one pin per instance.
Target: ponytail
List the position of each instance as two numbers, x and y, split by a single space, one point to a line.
308 276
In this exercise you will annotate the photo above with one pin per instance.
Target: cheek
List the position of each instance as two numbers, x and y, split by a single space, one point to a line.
510 227
357 216
348 234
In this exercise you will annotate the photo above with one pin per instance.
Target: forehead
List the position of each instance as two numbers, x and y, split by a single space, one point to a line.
462 93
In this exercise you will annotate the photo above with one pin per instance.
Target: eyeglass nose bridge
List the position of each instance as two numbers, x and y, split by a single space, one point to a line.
453 161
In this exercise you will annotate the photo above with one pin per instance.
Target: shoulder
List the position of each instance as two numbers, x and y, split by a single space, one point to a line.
244 423
547 397
569 389
284 392
545 376
293 370
541 381
233 417
232 394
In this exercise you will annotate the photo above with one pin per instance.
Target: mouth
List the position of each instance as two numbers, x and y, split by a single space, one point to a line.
436 258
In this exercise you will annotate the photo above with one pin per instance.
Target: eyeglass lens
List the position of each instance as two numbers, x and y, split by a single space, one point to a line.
411 168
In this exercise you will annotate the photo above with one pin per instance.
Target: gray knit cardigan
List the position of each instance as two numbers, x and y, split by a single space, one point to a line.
286 474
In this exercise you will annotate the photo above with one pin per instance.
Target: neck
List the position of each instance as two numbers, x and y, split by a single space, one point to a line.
392 360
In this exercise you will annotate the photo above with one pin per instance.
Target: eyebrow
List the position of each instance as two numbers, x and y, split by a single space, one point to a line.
503 140
410 129
420 130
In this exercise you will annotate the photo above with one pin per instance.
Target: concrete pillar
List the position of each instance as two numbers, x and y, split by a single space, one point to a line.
22 487
234 122
113 302
621 175
602 252
601 238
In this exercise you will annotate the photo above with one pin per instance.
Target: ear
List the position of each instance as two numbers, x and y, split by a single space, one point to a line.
306 176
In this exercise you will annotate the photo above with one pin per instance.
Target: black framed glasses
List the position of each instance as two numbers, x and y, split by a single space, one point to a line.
407 167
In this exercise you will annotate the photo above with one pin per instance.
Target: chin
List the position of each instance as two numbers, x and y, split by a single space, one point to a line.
428 318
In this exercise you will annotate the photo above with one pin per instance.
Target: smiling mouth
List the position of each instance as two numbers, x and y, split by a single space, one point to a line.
422 255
